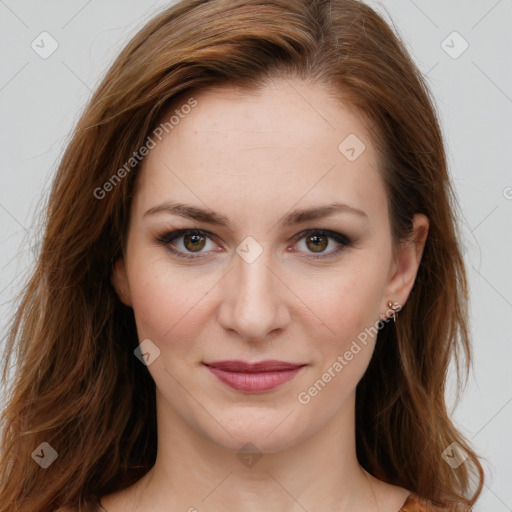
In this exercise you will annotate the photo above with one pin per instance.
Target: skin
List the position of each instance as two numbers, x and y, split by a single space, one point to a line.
253 158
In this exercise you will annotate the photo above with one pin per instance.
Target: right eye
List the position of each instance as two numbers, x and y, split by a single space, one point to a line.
192 240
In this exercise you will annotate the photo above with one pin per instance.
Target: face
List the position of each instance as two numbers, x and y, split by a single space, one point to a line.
256 266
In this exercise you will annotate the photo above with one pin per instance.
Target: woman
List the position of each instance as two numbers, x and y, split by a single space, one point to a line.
250 256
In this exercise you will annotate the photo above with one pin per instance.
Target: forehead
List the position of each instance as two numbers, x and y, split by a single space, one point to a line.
238 151
296 111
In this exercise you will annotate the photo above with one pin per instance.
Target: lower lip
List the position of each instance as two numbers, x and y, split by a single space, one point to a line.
256 381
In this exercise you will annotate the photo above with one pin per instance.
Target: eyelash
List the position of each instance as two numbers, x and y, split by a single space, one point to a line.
167 237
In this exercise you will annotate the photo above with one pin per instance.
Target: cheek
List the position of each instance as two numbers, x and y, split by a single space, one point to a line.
350 306
348 302
166 303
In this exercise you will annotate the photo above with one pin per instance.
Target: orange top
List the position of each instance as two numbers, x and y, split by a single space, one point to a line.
413 503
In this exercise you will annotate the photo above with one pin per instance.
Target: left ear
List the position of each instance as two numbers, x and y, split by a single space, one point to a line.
405 267
119 280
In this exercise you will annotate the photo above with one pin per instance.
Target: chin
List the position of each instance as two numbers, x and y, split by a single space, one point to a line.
262 427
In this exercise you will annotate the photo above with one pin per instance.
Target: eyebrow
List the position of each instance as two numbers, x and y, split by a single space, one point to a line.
296 216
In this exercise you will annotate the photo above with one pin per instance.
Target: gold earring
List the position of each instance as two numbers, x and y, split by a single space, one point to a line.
395 307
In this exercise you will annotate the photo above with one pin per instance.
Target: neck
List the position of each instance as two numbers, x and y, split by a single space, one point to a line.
192 472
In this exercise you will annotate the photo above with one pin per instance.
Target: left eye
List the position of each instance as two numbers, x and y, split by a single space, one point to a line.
318 240
194 241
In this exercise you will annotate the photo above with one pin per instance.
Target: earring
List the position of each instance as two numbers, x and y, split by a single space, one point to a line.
395 307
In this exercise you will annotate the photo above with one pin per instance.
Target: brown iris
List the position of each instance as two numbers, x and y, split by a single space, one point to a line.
320 242
197 242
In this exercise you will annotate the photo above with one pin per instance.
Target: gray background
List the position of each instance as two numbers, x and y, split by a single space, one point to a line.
41 100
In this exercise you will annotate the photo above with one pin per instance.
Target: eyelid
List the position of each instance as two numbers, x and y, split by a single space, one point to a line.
327 232
169 236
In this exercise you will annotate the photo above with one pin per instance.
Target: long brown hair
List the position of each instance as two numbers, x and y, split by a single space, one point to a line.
78 386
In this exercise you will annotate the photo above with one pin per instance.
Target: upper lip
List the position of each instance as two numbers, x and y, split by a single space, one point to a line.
260 366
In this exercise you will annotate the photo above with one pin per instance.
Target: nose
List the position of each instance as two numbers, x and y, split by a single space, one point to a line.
253 299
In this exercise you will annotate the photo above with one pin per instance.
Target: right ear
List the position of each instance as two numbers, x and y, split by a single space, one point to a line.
119 280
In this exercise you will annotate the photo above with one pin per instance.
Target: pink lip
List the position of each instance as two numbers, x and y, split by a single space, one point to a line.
254 377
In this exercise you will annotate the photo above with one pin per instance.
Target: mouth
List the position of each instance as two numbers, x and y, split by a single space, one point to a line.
254 377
